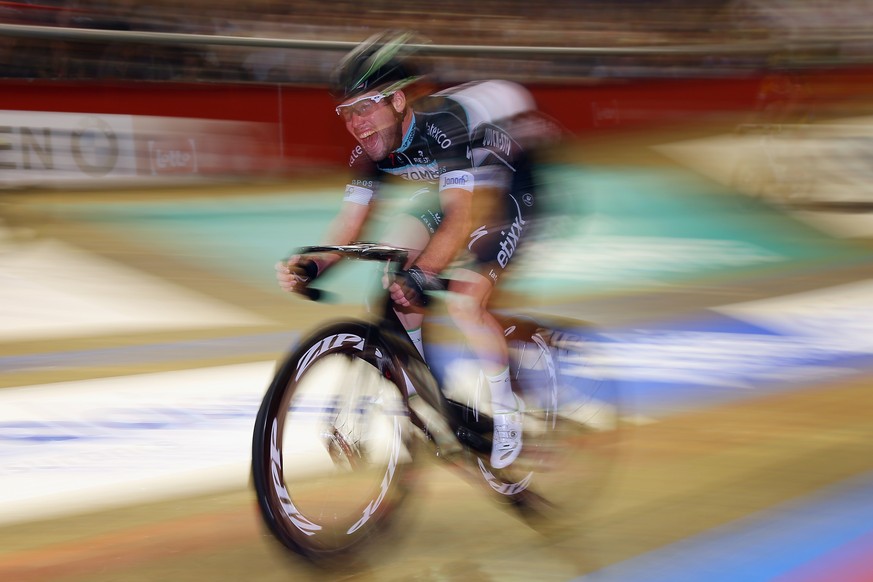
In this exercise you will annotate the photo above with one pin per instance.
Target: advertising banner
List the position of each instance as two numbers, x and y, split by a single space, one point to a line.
40 147
47 148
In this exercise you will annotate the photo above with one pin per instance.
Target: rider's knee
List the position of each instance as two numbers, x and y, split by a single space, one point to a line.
464 309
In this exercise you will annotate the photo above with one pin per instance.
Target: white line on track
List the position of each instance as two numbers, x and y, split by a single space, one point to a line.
49 289
80 446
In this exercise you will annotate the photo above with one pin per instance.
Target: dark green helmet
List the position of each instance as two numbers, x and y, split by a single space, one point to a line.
381 62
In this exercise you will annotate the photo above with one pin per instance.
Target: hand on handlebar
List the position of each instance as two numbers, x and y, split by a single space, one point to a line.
410 287
296 273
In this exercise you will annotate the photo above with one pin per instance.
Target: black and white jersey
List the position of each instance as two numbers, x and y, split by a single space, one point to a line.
459 138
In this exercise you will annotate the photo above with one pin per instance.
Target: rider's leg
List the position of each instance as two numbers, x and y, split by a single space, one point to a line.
491 247
467 306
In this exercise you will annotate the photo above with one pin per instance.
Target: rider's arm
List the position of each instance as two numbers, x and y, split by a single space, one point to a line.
448 239
412 286
296 272
347 224
345 228
359 198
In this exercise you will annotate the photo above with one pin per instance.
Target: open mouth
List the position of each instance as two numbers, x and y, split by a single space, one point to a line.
367 138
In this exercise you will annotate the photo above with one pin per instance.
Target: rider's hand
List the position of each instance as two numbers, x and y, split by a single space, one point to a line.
410 287
296 273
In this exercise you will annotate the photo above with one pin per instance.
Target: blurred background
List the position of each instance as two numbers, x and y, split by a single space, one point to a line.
710 210
796 33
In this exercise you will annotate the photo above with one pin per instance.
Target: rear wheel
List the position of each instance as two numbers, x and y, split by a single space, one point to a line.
589 424
333 443
570 423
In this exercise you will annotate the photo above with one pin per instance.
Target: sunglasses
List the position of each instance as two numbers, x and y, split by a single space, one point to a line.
362 106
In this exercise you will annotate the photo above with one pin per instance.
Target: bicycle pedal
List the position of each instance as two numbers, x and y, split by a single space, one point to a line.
473 440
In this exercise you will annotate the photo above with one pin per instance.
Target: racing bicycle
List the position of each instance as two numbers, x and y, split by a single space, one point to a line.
354 405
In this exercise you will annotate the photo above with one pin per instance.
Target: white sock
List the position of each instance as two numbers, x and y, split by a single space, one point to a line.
415 336
502 399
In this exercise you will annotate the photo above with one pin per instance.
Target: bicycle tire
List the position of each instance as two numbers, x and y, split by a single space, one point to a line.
349 435
589 414
569 430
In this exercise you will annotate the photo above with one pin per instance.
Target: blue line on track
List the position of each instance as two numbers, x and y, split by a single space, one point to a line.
759 547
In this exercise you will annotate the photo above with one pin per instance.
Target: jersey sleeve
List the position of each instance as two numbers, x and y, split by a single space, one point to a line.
363 185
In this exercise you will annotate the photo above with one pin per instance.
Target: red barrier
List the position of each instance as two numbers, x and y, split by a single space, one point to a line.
307 129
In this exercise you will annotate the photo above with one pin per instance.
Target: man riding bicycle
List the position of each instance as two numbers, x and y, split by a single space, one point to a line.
472 212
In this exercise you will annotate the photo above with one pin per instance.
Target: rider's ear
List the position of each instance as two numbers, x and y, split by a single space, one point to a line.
398 100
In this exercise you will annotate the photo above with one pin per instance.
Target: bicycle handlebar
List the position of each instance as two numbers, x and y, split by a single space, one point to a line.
359 250
363 251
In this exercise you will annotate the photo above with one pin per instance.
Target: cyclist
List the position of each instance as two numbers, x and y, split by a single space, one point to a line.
464 146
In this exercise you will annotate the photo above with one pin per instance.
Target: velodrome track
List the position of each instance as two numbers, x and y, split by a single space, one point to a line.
141 328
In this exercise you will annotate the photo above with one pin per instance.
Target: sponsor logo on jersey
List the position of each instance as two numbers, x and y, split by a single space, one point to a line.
511 237
438 135
497 139
431 220
476 235
457 179
421 173
356 153
417 173
422 158
370 184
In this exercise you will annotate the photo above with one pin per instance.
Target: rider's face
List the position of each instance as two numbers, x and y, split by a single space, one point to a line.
375 124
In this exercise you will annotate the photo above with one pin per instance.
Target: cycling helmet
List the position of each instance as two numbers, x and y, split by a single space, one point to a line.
380 62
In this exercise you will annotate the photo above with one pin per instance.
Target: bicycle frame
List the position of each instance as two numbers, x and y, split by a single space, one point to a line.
418 379
466 424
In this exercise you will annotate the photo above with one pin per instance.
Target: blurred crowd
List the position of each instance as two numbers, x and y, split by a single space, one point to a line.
563 23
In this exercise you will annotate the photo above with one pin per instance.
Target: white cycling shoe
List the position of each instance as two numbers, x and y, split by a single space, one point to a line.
506 441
